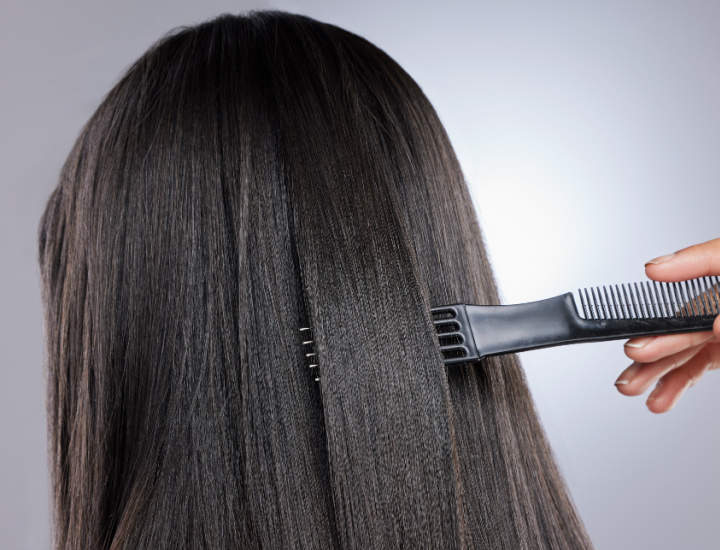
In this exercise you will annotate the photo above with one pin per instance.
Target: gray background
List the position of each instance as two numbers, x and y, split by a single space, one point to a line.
589 136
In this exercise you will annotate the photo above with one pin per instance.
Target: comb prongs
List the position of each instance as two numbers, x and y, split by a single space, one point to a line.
714 295
692 291
621 304
688 299
669 311
609 305
627 301
709 306
603 304
707 296
597 306
657 291
659 300
657 306
651 300
638 296
711 297
662 302
671 298
707 300
583 305
587 299
678 300
696 297
633 302
702 283
443 316
693 299
618 310
683 303
606 304
699 297
645 301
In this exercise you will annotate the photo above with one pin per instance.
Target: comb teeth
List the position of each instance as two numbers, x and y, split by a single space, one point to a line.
652 300
308 345
454 334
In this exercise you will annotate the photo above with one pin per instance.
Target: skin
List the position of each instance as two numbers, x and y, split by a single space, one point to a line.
673 363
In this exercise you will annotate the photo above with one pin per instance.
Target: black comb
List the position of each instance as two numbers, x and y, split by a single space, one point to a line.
468 333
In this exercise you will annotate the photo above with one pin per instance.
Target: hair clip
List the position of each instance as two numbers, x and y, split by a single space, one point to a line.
309 347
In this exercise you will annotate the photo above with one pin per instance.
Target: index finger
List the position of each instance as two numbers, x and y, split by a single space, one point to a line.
695 261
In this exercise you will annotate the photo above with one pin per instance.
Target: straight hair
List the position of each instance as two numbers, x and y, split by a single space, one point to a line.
248 177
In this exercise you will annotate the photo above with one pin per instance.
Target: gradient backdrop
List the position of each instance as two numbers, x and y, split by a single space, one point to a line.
589 136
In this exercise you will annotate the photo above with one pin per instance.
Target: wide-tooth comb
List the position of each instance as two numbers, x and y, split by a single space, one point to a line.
466 333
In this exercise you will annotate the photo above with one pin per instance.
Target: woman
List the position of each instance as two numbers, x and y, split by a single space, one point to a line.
248 178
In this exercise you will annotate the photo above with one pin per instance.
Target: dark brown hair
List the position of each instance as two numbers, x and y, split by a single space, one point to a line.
246 177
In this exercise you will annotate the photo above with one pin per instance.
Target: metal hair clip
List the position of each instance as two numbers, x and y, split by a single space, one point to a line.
309 347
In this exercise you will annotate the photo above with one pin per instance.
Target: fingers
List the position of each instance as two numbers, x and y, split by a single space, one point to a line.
673 374
671 386
695 261
675 362
638 377
651 348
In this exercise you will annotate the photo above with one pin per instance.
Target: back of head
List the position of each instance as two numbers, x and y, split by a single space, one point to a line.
248 177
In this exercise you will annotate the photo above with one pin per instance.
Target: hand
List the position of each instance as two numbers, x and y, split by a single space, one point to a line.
676 362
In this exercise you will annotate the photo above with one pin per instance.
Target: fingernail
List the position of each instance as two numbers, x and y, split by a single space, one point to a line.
655 392
662 259
628 374
639 342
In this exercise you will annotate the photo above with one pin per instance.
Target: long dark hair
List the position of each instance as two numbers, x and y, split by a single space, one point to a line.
248 177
